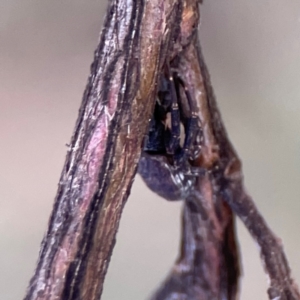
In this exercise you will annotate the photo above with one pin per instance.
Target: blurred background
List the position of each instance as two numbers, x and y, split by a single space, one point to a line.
46 47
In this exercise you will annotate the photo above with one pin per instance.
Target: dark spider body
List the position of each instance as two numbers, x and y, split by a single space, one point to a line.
165 161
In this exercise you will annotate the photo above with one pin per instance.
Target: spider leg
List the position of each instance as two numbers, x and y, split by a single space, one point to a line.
173 135
158 136
192 127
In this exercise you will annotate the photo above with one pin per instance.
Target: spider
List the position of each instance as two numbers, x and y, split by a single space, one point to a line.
173 141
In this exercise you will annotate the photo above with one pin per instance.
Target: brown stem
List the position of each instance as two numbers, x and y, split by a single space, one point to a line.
190 279
208 265
105 149
282 286
228 182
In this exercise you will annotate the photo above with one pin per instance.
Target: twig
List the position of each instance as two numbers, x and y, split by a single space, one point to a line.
224 181
208 264
105 150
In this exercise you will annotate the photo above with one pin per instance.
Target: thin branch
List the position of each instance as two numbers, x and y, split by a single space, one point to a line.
104 151
203 271
208 264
